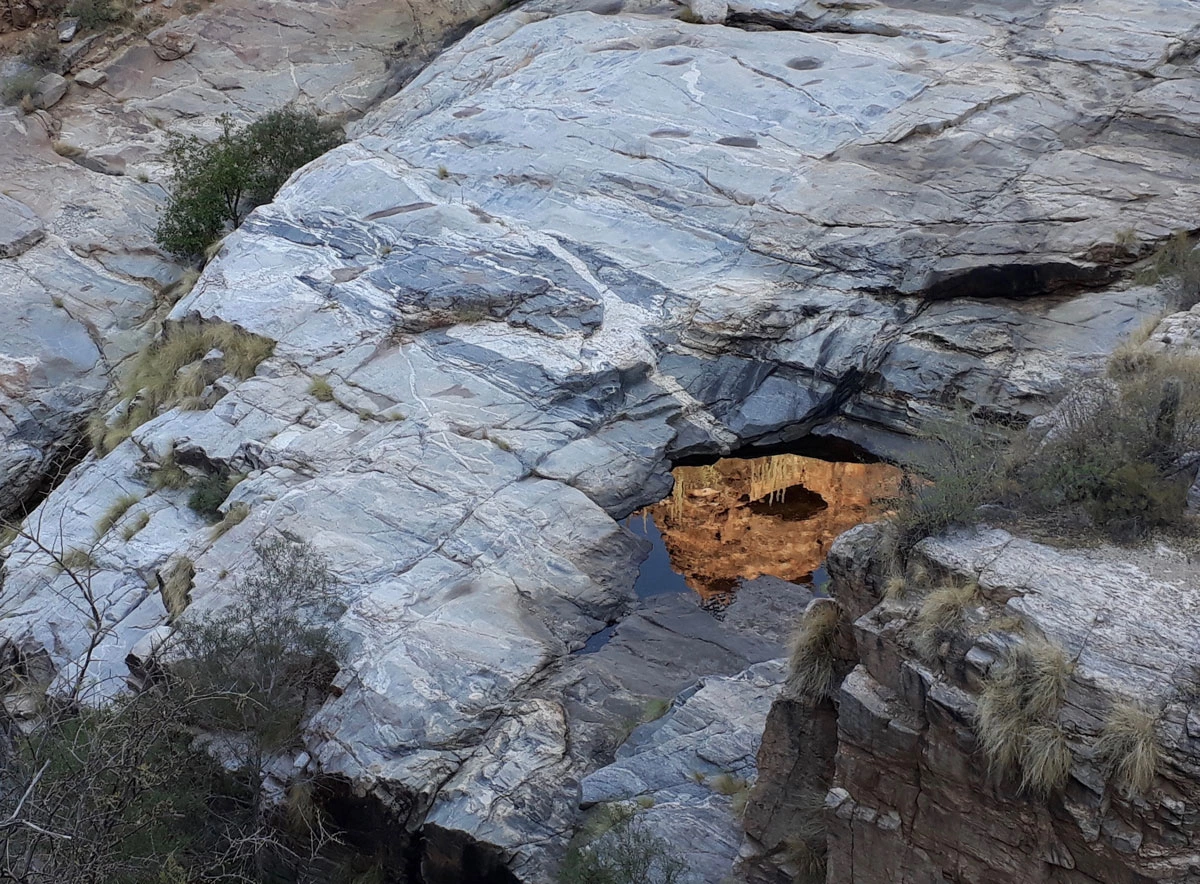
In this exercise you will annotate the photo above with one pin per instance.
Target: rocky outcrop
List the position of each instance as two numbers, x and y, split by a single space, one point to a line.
83 184
913 794
579 246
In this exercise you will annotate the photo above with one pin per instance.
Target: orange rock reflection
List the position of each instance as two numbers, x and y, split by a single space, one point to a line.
743 518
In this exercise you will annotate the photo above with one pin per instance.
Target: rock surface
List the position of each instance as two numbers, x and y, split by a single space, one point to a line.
907 771
576 247
95 272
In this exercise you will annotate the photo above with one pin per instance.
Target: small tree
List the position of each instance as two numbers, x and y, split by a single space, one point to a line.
218 183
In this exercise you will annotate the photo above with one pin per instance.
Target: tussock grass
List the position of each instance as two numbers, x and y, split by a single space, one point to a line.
813 650
234 516
167 374
942 615
727 784
169 475
320 389
136 524
1017 711
176 586
1129 746
1046 759
115 513
805 847
78 561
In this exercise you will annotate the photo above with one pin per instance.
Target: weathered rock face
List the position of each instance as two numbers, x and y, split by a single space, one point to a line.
580 245
83 183
913 797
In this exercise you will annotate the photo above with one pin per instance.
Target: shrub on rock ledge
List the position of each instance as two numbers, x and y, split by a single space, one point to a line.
218 183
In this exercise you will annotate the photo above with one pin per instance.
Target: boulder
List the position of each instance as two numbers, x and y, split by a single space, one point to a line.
67 29
709 12
91 78
49 90
170 44
20 228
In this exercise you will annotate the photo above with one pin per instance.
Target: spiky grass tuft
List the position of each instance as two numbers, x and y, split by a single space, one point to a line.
814 649
941 616
1129 746
167 373
115 513
321 389
1017 711
1046 759
234 516
176 585
136 524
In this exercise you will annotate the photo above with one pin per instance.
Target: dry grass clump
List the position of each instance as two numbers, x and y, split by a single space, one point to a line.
1129 746
941 617
320 389
1016 718
115 513
1177 265
234 516
813 651
805 847
167 373
169 475
136 524
175 585
1046 761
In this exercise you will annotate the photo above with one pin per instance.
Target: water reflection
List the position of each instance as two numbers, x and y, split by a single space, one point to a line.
741 518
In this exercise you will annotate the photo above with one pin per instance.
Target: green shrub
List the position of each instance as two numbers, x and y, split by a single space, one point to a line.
217 183
96 15
963 466
628 853
19 86
41 50
208 493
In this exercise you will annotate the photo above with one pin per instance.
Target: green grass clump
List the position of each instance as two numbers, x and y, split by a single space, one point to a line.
321 389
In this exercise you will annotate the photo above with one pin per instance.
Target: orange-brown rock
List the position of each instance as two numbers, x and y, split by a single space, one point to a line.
743 518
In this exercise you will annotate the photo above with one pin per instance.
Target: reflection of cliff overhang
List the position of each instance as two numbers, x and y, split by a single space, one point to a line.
742 518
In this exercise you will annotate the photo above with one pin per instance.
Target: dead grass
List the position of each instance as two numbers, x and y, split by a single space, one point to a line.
115 513
136 524
321 389
169 475
941 616
1129 746
176 585
1016 717
167 373
813 650
234 516
1046 759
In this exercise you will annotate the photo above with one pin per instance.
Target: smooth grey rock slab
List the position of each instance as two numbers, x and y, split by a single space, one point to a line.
91 78
20 228
49 90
